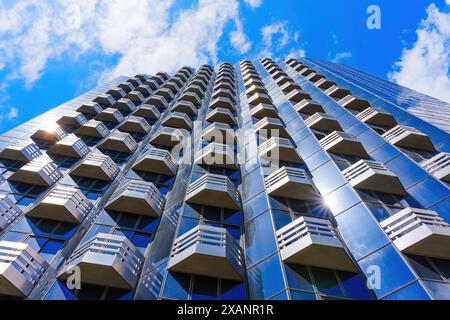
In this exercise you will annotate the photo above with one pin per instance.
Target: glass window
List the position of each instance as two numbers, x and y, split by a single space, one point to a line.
259 239
302 295
326 281
266 279
232 290
413 291
298 277
177 286
204 288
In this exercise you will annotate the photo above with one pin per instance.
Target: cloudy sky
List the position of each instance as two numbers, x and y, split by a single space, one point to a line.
52 51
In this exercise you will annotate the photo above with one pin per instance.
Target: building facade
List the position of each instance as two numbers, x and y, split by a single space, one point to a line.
274 180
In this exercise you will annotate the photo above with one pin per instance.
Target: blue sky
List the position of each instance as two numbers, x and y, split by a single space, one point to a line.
50 53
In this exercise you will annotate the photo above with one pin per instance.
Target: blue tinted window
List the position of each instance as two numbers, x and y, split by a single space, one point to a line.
232 290
177 286
301 295
266 279
204 289
259 239
429 192
411 292
298 277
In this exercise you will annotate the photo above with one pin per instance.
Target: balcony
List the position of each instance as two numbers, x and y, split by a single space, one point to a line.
337 92
258 98
157 161
135 81
167 137
72 118
419 232
290 183
93 128
311 241
196 89
158 101
343 143
71 146
283 80
373 176
279 149
308 107
208 251
126 86
289 86
224 85
178 120
90 108
221 115
136 97
152 83
110 115
63 203
125 105
223 103
255 89
22 151
38 172
166 93
324 84
191 97
117 93
172 86
185 107
322 121
106 260
137 197
216 154
8 211
20 268
314 77
263 110
145 90
354 103
97 166
136 125
219 132
148 111
213 190
105 100
271 127
224 93
142 76
49 135
438 166
409 137
120 142
375 117
296 96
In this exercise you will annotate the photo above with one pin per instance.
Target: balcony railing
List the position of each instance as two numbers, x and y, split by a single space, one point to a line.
168 137
73 118
126 105
312 241
20 269
354 103
147 111
191 97
23 151
291 183
208 251
185 107
50 135
39 172
71 146
93 128
219 132
337 92
438 166
297 96
279 149
343 143
136 125
264 110
323 121
178 120
308 107
213 190
221 115
90 108
223 103
63 203
110 115
419 232
258 98
372 116
271 126
216 154
8 210
106 260
119 141
157 161
137 197
97 166
373 176
409 137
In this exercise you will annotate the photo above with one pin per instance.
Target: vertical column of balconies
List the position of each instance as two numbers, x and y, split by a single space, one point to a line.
308 240
370 174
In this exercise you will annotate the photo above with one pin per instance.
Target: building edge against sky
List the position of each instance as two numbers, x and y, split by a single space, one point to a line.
342 192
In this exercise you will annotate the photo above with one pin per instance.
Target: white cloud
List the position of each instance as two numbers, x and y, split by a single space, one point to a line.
425 66
143 34
342 56
239 40
278 39
257 3
8 114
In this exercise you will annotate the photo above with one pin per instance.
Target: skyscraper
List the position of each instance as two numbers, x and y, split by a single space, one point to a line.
296 179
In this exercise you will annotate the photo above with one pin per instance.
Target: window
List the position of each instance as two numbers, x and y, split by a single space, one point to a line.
9 166
91 188
25 194
163 182
118 157
63 162
90 141
59 291
343 161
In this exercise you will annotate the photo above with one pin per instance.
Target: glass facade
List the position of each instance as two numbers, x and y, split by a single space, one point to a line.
296 179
